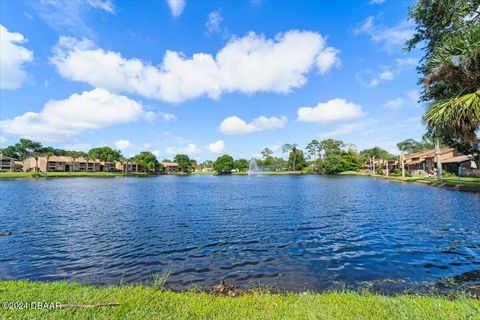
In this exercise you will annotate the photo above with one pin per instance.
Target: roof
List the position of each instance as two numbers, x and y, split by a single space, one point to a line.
458 159
68 159
427 153
170 164
4 157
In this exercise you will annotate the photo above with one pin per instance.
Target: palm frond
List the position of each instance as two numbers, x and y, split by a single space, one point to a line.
457 117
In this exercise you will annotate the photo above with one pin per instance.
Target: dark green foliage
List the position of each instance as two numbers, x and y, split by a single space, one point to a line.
450 68
296 159
223 164
241 164
106 154
376 152
266 153
148 161
184 162
340 162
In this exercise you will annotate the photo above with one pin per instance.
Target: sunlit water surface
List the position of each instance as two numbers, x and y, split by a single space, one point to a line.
289 232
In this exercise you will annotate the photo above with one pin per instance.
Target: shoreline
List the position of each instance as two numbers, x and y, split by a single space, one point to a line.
67 300
456 183
78 174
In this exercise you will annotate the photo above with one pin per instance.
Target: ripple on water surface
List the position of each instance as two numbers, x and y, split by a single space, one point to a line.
294 232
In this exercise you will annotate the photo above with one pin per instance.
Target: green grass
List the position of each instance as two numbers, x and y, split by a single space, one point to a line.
30 175
138 302
466 183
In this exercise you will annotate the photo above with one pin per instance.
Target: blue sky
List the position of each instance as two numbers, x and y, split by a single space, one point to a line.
206 78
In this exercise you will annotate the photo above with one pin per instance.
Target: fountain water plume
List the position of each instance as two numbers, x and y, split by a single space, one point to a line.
253 167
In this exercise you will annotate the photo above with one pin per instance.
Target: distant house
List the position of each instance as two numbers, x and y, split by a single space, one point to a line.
425 162
170 167
7 164
370 164
66 164
128 166
459 163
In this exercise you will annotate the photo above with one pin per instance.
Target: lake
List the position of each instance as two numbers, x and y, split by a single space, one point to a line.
287 232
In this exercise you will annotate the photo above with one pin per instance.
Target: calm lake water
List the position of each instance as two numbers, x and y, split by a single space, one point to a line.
291 232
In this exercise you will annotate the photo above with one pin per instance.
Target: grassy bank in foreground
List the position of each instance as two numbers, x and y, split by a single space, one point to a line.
137 302
454 182
32 175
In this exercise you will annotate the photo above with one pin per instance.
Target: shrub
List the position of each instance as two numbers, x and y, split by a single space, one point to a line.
447 174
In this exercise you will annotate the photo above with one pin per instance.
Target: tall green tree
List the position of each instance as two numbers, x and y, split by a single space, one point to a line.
266 152
376 152
450 68
331 146
241 164
148 161
223 164
10 151
314 149
26 148
183 161
341 162
106 154
296 159
291 149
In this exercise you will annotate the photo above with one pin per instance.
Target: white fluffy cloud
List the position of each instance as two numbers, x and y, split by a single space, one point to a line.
58 119
411 99
71 16
391 38
12 58
349 128
168 116
189 149
176 7
330 111
236 126
394 104
249 64
326 59
123 144
214 22
216 147
369 79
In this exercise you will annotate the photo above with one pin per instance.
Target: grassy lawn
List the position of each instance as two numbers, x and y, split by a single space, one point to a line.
456 182
137 302
14 175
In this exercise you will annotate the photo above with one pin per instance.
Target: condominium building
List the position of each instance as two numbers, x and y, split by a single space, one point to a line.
7 164
66 164
170 167
425 162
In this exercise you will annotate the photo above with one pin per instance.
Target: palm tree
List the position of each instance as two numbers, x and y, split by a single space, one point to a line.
69 162
35 155
122 161
87 157
291 148
74 157
453 83
47 155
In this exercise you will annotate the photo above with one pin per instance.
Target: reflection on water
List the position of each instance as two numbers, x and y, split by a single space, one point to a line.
294 232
